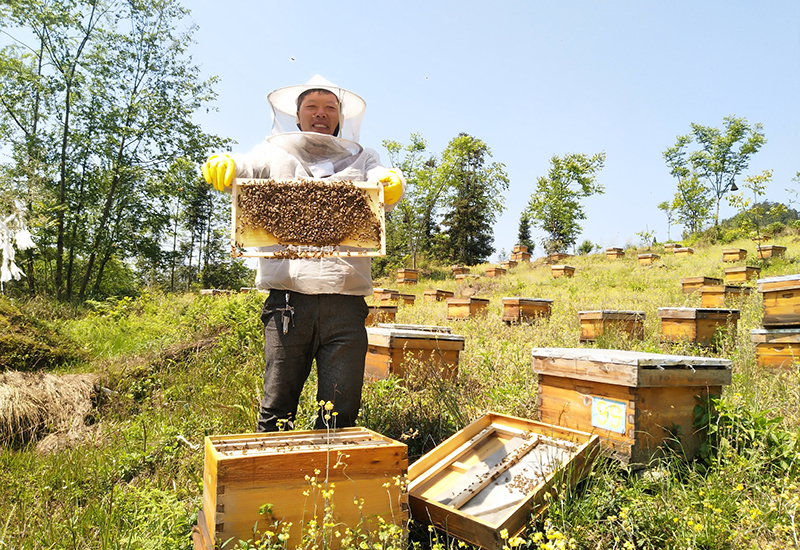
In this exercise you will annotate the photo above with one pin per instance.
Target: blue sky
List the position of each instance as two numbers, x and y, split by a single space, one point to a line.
532 79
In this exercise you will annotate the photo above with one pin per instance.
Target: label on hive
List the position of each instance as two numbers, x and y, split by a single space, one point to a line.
608 414
306 218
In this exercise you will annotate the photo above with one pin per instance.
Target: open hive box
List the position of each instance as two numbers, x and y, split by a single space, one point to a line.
493 474
244 472
636 401
307 219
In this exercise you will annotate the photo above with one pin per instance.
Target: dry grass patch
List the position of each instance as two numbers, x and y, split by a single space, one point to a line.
34 404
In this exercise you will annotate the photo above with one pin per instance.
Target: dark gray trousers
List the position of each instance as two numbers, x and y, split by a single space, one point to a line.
325 327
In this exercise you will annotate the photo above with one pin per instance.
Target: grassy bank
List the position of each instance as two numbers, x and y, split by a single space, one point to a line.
178 368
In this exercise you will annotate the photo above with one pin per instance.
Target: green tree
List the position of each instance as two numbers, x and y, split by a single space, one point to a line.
555 205
110 111
752 211
692 204
720 157
524 231
411 225
473 199
666 207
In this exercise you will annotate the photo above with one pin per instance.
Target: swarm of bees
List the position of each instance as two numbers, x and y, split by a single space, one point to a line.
309 213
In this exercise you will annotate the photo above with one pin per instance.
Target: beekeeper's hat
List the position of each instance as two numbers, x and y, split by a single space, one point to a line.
284 107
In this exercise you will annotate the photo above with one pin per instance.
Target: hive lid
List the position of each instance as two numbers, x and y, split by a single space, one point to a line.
701 279
695 312
631 368
784 282
513 299
610 313
426 328
775 335
389 333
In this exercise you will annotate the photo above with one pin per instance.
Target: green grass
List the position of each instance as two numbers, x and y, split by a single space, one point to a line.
137 483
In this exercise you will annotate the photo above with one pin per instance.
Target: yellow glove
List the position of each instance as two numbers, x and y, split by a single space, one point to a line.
219 171
392 187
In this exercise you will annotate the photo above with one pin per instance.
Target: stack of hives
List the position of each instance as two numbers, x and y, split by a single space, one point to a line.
778 342
406 277
520 254
699 325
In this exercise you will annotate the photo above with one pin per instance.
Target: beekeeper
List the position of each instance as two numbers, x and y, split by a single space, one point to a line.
315 308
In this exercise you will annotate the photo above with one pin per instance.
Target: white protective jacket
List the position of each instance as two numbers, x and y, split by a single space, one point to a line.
309 156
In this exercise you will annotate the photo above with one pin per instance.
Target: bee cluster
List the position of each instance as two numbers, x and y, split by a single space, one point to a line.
309 213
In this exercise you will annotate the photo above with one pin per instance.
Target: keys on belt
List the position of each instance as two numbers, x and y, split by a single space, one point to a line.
287 314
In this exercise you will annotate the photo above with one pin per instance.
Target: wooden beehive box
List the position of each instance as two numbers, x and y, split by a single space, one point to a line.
561 270
733 254
508 264
670 247
389 350
379 294
436 295
463 308
519 310
719 295
495 271
243 472
770 251
396 297
492 475
595 324
519 248
459 270
381 313
684 251
615 253
635 401
648 259
781 301
406 276
466 276
699 326
741 274
258 242
693 284
776 347
521 256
